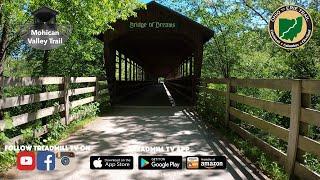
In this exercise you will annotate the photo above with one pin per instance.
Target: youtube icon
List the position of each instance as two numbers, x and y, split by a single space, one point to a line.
26 160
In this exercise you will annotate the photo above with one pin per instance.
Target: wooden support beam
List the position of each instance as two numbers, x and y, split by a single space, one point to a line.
96 92
230 90
187 69
142 74
119 65
294 127
110 58
66 100
190 65
133 71
130 70
126 68
198 56
136 67
227 114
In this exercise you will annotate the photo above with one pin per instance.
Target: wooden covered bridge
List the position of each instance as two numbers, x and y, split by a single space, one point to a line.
157 44
162 45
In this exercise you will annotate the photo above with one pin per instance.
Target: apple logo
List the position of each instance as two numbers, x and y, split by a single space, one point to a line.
97 163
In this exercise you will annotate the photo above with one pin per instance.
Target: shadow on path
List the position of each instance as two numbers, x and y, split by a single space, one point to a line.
124 131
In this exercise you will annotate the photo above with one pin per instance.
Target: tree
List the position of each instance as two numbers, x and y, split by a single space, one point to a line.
12 16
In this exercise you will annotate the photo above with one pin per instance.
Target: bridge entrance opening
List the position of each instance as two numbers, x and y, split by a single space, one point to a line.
158 43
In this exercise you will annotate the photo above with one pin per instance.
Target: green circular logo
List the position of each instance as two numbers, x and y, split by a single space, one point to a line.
290 27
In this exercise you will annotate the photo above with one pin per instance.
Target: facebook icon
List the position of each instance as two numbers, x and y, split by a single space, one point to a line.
46 160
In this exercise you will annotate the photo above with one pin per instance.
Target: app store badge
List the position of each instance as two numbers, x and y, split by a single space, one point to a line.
111 162
159 162
206 162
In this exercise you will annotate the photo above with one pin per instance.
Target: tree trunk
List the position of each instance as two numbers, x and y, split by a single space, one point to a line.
44 73
3 48
3 45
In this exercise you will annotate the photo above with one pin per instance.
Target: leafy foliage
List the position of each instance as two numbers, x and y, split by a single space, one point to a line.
82 53
242 48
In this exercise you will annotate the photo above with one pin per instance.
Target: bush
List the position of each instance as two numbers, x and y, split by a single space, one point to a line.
57 131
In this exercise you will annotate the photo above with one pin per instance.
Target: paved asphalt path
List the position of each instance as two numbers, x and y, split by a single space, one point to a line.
126 129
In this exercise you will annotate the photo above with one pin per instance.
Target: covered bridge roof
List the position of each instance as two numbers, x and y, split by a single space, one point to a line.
158 38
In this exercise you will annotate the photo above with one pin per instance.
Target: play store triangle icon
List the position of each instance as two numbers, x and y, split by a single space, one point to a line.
143 162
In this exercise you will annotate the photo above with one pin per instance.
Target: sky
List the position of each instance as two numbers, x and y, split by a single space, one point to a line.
145 1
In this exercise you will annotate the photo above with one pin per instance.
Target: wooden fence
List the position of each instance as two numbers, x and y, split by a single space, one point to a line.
299 112
63 95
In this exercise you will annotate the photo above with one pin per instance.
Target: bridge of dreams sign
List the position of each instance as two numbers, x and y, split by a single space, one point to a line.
152 25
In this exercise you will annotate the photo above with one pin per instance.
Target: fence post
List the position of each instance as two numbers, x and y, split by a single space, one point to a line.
294 127
96 93
227 116
304 127
66 99
229 103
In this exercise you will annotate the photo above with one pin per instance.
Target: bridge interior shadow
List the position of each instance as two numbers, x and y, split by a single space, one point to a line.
152 95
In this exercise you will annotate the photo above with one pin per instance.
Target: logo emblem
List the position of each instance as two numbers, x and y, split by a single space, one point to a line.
192 162
65 161
26 160
45 33
97 163
143 162
65 158
46 161
290 27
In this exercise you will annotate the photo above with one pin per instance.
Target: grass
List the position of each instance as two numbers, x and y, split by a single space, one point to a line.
8 158
260 159
72 128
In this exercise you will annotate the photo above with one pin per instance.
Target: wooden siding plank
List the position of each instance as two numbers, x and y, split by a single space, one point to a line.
278 84
28 99
83 79
30 81
311 86
303 172
270 150
44 130
73 92
310 116
271 128
274 107
81 102
28 117
309 145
